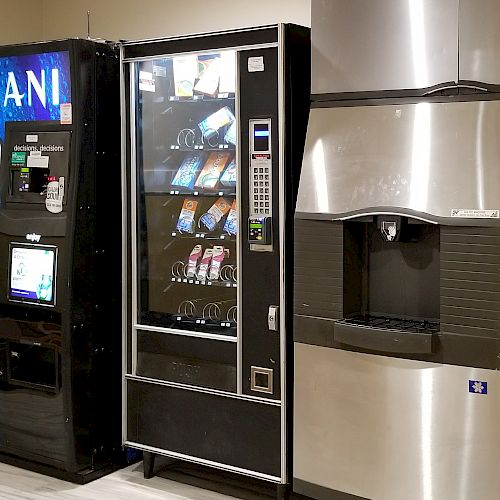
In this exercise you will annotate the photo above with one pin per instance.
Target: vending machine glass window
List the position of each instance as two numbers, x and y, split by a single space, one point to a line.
187 214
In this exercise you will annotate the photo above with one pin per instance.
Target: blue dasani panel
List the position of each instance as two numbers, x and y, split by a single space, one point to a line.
33 87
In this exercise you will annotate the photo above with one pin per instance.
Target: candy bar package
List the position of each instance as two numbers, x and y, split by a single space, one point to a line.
187 172
218 255
193 261
215 214
209 176
204 265
212 123
209 74
185 222
230 136
228 177
227 82
185 73
231 224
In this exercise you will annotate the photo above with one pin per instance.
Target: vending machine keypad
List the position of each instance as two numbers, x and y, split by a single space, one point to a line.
260 168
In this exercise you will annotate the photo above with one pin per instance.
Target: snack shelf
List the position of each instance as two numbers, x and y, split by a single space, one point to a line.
196 324
200 322
203 236
220 147
185 192
202 98
195 282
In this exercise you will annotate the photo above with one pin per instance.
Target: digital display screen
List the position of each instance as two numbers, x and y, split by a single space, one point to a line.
255 226
32 274
262 133
261 137
33 87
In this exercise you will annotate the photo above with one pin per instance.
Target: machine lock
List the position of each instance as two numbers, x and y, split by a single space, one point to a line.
273 318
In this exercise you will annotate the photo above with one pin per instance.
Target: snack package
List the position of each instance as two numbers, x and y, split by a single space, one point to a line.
231 224
228 177
193 261
227 71
212 123
218 255
188 170
209 176
185 222
201 275
230 136
208 74
215 214
185 73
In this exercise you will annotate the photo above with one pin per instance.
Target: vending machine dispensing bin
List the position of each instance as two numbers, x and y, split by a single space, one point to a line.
60 313
217 126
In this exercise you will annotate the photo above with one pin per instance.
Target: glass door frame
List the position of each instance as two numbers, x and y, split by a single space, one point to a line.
136 325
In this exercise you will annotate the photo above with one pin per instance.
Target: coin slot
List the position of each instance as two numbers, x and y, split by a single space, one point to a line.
261 379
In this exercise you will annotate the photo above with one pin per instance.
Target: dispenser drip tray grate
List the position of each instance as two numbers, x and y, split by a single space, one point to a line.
388 323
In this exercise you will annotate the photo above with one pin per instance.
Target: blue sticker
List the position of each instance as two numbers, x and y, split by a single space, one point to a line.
478 387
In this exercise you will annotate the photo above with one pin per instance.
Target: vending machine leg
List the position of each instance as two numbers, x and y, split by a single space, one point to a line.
149 464
282 492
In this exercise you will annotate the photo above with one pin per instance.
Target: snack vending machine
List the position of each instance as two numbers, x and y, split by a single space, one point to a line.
216 126
60 332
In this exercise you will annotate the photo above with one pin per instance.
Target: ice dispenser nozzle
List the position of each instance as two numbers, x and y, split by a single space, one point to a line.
390 227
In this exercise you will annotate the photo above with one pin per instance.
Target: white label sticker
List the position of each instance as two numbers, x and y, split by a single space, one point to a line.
32 138
37 161
55 195
66 113
35 153
146 81
473 213
255 64
159 71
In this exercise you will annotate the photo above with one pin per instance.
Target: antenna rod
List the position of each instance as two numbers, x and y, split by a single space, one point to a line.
88 25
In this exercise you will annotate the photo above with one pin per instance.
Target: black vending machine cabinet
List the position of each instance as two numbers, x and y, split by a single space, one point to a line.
217 126
60 254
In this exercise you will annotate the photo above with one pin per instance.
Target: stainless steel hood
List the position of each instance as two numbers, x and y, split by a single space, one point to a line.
407 47
363 45
427 159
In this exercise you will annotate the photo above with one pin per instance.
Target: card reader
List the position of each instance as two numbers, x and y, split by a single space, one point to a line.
260 230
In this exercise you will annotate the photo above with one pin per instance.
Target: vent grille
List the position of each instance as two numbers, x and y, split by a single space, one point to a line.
470 281
318 268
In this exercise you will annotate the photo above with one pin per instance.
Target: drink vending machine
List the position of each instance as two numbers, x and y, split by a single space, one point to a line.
216 126
60 331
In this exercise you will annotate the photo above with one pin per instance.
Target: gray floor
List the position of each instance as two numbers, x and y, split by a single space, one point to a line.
125 484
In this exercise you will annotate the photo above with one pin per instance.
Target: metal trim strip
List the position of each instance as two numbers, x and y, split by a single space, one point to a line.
205 390
185 333
239 239
367 214
211 51
197 35
133 213
282 236
124 244
202 461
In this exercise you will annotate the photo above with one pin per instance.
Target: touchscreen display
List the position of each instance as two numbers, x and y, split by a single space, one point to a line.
32 274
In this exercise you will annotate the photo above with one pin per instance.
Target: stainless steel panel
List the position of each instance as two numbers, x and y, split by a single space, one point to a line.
362 45
392 429
479 41
426 157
